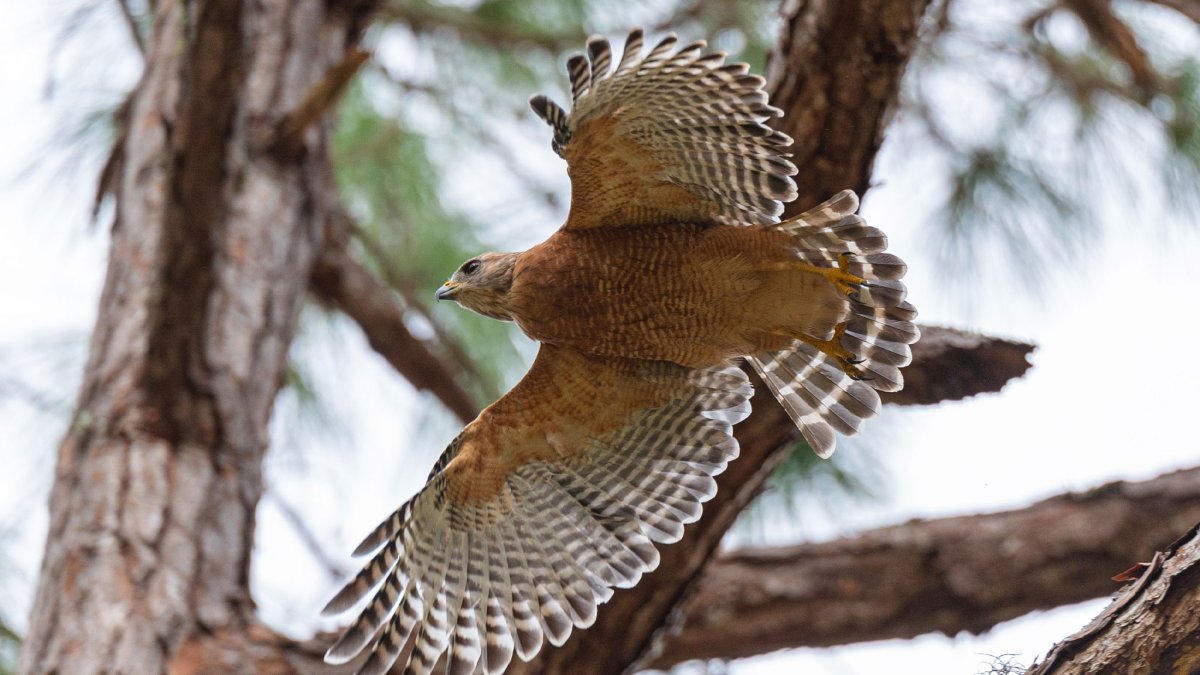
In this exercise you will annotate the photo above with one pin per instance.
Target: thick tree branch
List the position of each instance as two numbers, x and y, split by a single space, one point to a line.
835 73
1152 627
504 34
288 135
456 356
948 575
340 281
158 479
950 365
1188 8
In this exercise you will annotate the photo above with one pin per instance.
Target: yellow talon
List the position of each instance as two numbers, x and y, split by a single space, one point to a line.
833 348
838 276
845 282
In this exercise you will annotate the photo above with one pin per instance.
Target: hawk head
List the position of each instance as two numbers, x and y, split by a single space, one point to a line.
481 285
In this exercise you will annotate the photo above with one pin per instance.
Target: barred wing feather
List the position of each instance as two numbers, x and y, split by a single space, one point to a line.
672 136
540 507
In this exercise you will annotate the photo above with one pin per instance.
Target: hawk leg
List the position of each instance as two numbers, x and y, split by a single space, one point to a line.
848 284
845 359
839 276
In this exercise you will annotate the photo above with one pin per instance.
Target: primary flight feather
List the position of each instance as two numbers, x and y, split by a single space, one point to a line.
671 267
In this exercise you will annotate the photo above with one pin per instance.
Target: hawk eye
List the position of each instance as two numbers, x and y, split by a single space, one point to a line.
470 267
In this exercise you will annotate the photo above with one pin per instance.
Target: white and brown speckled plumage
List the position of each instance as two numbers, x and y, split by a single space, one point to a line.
671 266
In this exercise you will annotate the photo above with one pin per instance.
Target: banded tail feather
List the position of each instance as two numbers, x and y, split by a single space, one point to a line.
815 389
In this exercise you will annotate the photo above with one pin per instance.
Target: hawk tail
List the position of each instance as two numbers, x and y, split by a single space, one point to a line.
831 386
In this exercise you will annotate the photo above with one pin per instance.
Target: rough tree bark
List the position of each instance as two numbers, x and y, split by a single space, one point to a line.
220 197
950 365
1152 627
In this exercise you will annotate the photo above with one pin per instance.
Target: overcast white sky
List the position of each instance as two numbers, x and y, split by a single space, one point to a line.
1111 394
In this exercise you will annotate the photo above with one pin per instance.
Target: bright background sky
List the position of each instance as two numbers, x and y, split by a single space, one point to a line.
1110 396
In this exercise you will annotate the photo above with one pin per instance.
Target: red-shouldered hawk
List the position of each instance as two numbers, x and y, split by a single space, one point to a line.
671 267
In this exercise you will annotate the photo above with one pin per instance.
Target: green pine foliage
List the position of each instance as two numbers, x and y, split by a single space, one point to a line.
1060 117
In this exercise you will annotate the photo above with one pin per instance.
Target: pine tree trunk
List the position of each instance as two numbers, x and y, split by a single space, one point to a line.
220 200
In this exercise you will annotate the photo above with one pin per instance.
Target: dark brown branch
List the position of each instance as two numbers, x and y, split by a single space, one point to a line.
1115 36
341 282
835 73
950 365
1152 627
316 103
1188 8
474 27
390 275
135 33
948 575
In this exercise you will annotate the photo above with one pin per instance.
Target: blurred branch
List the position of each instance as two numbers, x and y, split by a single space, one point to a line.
1115 92
341 282
44 402
1116 37
478 28
966 573
689 10
320 98
1152 624
950 365
115 162
1188 8
131 23
311 541
392 277
7 634
10 646
1075 75
467 122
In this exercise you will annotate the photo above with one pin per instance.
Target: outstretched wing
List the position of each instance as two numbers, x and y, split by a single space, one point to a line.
549 499
674 136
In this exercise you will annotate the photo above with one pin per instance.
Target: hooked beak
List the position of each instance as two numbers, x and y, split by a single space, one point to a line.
447 291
